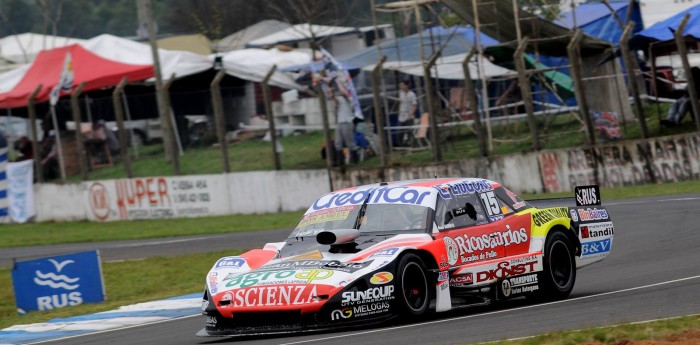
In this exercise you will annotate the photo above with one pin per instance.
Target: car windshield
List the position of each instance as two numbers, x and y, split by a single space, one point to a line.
377 218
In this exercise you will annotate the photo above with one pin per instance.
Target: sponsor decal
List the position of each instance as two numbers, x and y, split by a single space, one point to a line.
519 285
495 218
444 275
371 295
488 245
225 300
592 214
277 277
230 262
506 269
516 204
462 279
380 278
347 267
205 304
312 255
360 310
385 252
548 215
587 195
597 230
277 295
574 215
452 250
212 283
381 195
211 321
461 188
327 215
595 247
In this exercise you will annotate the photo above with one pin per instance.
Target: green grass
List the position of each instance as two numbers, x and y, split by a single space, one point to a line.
126 282
15 235
621 334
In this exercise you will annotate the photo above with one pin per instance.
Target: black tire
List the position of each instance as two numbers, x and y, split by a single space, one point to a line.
559 274
412 286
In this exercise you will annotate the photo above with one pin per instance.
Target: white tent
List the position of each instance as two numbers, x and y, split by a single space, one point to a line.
23 48
9 79
239 39
180 63
449 67
253 64
300 32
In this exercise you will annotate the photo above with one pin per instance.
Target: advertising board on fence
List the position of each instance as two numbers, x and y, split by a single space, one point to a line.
58 281
662 160
157 197
21 191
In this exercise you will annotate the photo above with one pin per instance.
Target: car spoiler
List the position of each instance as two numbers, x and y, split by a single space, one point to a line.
583 196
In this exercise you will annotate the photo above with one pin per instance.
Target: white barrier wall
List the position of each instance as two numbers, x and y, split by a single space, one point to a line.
59 202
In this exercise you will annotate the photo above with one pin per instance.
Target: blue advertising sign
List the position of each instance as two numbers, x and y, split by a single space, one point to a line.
58 281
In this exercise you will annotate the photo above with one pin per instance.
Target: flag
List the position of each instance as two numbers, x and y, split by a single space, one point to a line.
343 82
65 81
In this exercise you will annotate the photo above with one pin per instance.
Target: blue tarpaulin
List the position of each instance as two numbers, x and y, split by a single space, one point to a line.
596 20
664 30
455 40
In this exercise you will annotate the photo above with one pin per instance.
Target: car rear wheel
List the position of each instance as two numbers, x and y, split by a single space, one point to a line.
559 274
413 292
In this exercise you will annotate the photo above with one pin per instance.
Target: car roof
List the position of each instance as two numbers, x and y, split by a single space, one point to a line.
428 183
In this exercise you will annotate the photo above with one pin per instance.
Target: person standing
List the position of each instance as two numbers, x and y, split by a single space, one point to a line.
408 104
345 128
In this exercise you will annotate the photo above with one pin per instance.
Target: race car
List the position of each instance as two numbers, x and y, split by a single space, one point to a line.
403 249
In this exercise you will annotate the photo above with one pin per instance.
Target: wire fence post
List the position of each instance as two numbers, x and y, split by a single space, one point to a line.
35 137
218 106
170 128
267 98
473 105
524 83
434 135
330 149
631 64
80 146
579 90
119 113
378 114
690 79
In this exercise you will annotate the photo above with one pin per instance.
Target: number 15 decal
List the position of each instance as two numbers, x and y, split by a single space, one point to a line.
491 203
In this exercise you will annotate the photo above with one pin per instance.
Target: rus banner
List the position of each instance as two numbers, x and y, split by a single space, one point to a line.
21 192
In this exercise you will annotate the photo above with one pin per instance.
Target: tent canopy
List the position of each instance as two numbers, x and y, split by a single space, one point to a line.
303 32
253 64
239 39
23 48
596 20
664 30
96 71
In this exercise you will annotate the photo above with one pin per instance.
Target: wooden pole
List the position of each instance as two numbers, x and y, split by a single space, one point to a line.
473 103
80 146
631 64
434 136
525 90
378 114
119 112
171 128
330 149
270 116
218 106
579 89
35 137
683 52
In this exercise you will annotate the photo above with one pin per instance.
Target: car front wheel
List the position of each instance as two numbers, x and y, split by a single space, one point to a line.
412 286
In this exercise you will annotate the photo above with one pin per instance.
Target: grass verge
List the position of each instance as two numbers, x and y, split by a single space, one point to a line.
16 235
668 330
126 282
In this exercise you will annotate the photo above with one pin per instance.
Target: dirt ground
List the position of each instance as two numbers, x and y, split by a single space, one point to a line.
690 337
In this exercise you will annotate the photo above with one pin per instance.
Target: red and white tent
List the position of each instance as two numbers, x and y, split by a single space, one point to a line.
97 72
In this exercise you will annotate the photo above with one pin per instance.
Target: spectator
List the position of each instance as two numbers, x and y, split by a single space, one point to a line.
100 132
677 111
49 157
345 129
408 106
25 148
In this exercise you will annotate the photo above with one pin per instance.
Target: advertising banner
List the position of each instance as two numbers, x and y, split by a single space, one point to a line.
21 191
157 197
58 281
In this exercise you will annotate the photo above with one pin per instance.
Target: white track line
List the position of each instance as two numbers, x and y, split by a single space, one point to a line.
493 312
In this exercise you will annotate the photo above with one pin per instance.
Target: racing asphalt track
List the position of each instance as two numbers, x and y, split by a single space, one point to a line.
652 272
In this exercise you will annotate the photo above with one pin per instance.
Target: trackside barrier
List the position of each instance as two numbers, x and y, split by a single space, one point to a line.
668 159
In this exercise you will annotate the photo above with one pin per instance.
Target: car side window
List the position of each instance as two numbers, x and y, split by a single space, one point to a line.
459 211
